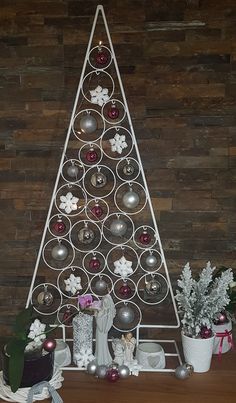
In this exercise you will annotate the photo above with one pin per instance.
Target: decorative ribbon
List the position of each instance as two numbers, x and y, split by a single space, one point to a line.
222 335
38 388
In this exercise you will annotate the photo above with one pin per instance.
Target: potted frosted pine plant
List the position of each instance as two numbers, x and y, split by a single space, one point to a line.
199 302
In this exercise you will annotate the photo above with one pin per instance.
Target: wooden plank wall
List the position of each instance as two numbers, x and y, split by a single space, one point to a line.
178 64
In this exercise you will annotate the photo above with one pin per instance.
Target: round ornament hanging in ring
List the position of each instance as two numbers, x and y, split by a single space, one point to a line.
94 263
150 260
113 111
46 298
152 288
100 57
101 285
98 87
90 154
99 181
130 198
85 236
128 169
145 237
66 313
88 125
59 225
116 142
58 253
118 228
73 281
97 210
70 199
128 316
124 289
122 261
72 171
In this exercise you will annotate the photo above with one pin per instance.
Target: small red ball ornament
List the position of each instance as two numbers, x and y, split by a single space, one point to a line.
49 345
102 57
205 333
97 211
145 238
91 156
112 375
94 263
59 226
67 317
113 112
125 290
221 319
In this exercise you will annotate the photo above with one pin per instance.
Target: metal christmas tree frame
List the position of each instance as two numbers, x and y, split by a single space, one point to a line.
92 236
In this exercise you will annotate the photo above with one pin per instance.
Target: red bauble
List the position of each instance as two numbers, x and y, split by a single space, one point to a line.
94 263
113 112
112 375
49 345
91 155
125 290
205 333
59 226
102 57
145 238
67 317
97 211
221 319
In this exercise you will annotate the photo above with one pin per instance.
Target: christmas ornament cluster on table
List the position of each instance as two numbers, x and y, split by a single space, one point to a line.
101 241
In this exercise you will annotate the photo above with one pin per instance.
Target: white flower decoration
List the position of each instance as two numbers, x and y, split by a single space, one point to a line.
37 332
99 96
123 267
83 357
118 143
73 284
68 202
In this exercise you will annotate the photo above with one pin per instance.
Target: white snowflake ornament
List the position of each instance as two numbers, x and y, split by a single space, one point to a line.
99 96
84 357
68 203
118 143
73 284
123 267
36 332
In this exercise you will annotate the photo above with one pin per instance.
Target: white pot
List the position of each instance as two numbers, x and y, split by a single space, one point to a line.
150 355
198 352
224 339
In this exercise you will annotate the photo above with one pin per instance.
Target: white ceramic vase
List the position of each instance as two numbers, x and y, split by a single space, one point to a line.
224 340
198 352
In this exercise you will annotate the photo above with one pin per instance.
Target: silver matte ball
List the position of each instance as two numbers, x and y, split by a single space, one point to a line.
130 199
126 315
124 371
151 261
153 287
85 235
183 371
88 124
92 367
45 298
72 171
101 371
118 227
101 286
98 180
128 169
59 252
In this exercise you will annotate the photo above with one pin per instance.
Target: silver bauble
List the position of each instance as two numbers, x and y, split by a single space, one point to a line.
130 199
45 298
126 315
128 169
85 235
153 287
72 171
124 371
59 252
101 286
118 227
151 261
92 367
98 180
183 371
88 124
101 371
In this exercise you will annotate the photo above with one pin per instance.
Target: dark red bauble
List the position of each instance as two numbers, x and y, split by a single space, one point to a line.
221 319
67 317
59 226
113 112
145 238
94 263
205 333
49 345
102 57
112 375
91 156
125 291
97 211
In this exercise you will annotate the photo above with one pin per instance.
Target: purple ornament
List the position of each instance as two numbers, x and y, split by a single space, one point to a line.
205 333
